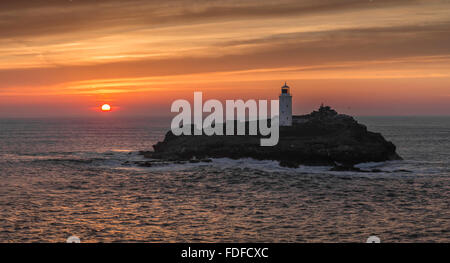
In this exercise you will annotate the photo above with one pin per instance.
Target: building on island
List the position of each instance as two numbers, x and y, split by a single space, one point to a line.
285 106
285 111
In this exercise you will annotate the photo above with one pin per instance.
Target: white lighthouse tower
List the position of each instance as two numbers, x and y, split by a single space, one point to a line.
285 106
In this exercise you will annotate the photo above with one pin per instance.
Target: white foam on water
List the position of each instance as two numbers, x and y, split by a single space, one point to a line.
266 165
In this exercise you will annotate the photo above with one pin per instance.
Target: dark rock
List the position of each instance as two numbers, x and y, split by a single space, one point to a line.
289 163
146 154
144 164
323 137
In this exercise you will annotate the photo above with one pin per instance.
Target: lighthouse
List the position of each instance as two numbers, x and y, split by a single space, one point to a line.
285 106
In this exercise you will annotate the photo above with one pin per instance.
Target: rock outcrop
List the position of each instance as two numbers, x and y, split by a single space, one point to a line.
323 137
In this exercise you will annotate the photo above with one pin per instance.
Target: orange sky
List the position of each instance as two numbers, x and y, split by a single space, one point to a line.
379 57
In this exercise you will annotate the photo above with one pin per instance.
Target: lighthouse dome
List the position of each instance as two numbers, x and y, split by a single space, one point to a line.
285 89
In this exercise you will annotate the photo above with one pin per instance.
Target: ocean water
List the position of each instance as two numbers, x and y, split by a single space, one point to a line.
63 177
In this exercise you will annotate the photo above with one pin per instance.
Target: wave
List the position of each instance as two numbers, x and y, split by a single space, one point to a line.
404 168
126 159
111 157
269 166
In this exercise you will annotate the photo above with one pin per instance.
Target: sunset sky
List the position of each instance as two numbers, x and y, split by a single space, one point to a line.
362 57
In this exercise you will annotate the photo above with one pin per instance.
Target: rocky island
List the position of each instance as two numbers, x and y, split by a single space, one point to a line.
322 137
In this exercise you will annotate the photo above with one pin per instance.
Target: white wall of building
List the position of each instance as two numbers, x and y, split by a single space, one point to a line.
285 110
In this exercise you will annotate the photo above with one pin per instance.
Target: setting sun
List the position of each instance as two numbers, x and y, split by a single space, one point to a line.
106 107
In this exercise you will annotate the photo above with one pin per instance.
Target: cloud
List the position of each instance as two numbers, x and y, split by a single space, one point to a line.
87 47
298 49
36 18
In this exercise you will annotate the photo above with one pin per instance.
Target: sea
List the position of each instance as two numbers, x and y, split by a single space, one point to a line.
76 177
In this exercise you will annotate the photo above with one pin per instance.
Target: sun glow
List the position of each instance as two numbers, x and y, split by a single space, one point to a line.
106 107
